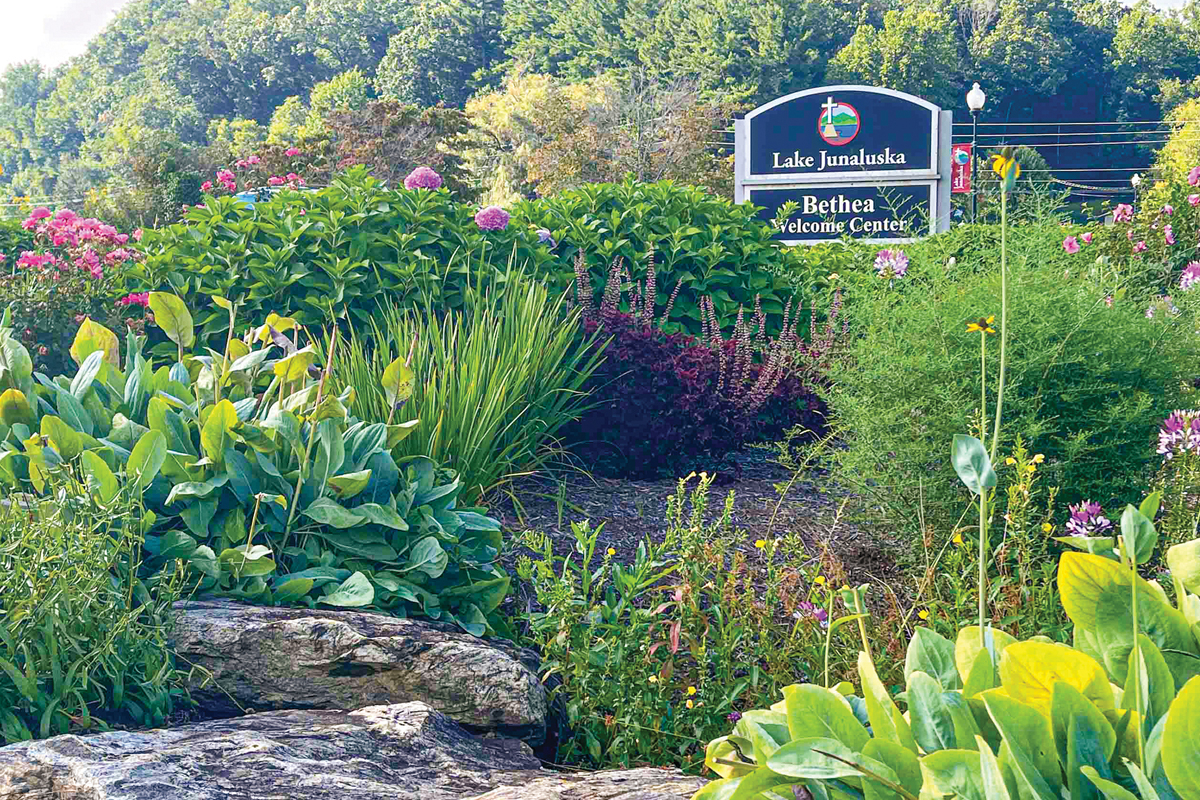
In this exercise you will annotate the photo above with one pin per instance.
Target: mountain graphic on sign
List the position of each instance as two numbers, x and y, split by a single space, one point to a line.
843 118
838 122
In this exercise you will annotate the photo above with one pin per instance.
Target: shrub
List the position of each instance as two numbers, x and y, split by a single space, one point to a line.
992 717
665 401
83 642
496 382
1088 382
254 474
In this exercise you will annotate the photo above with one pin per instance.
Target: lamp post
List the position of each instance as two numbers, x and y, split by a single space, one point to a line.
975 101
1136 180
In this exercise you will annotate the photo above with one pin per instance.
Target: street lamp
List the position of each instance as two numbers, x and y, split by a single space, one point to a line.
975 100
1136 180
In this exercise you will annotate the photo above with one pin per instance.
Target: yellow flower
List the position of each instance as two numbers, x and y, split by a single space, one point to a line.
612 552
760 544
923 614
691 690
1039 458
654 679
984 325
690 704
833 276
1047 527
958 538
1032 467
1005 165
845 588
820 580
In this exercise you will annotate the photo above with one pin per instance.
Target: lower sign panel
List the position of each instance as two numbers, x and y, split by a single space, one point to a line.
823 213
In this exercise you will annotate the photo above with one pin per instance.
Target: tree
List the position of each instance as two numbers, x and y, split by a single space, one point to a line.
1150 48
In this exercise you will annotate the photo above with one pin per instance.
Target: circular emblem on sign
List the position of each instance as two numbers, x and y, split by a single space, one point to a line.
838 123
962 157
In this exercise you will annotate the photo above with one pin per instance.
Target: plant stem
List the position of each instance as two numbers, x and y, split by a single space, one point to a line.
862 627
983 387
828 635
1139 666
312 437
1003 317
982 558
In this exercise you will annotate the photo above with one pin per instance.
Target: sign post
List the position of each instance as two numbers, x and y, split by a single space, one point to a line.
870 163
960 168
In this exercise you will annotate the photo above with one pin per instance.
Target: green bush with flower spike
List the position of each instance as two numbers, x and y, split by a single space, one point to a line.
251 474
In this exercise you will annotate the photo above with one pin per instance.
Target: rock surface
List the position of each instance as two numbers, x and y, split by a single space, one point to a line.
397 752
281 658
634 784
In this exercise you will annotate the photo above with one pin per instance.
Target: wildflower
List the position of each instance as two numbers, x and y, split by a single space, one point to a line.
833 276
1108 301
1123 212
137 235
242 163
654 679
984 325
891 264
1191 274
821 616
135 299
1005 165
734 716
1180 432
492 218
1071 245
1167 210
820 580
1168 234
1194 176
1139 247
423 178
1194 199
690 704
1039 458
612 552
224 175
923 614
691 690
292 177
292 151
1086 237
1010 461
958 539
1047 527
545 237
1087 519
760 544
274 180
206 186
43 350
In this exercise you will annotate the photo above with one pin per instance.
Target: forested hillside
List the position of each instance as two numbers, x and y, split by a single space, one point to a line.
540 94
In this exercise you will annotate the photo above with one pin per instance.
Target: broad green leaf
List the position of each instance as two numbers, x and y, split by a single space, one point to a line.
1085 747
901 761
295 366
195 489
1029 671
248 561
330 408
242 479
971 462
1081 579
1027 734
176 544
329 512
1138 534
1157 619
931 653
719 752
753 784
992 778
1068 703
215 435
970 643
86 375
471 620
355 592
954 772
1183 559
173 317
382 515
1110 790
277 499
222 302
280 324
15 408
93 336
398 381
398 433
886 720
1151 681
427 556
101 479
146 458
62 438
1181 742
814 712
809 758
350 484
932 726
292 590
722 789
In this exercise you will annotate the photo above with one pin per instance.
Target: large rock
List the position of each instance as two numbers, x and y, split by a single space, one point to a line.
633 784
278 658
397 752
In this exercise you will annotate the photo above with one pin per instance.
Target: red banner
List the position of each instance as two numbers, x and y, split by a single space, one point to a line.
960 168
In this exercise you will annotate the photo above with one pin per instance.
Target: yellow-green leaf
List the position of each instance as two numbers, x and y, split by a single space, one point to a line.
223 302
1181 742
214 436
814 712
1029 670
721 751
398 433
147 458
173 317
1082 578
62 437
295 366
280 324
886 720
1182 559
351 484
14 408
398 382
102 481
93 336
970 642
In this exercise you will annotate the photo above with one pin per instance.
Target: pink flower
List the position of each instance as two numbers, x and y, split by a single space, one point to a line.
423 178
1071 245
29 224
41 212
1190 276
43 351
225 176
137 237
1129 234
299 181
275 180
231 186
136 299
1168 234
1108 301
1139 247
1194 176
3 258
122 238
1194 199
293 151
492 218
291 176
206 186
242 163
1087 237
253 160
1168 210
1123 212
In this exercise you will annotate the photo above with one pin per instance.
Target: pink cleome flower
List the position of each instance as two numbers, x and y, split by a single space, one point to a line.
492 218
1167 210
423 178
206 186
252 160
1139 247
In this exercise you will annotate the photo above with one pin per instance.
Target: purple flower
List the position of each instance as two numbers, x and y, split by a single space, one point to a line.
1168 234
1191 274
1139 247
1087 519
891 264
423 178
807 609
545 237
492 218
1167 210
734 716
1123 212
1180 432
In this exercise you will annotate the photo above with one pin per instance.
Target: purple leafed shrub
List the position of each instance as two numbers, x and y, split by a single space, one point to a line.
669 402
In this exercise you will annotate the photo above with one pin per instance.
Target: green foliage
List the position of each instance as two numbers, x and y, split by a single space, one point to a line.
991 717
650 658
496 381
83 641
1088 383
254 473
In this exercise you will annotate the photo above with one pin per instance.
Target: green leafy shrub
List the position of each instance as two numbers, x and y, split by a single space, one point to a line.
990 717
83 642
254 474
496 381
14 240
652 658
1088 381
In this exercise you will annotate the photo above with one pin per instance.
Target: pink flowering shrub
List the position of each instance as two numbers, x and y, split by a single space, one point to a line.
423 178
492 218
273 166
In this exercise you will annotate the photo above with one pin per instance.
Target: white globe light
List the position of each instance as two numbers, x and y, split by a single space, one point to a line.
976 98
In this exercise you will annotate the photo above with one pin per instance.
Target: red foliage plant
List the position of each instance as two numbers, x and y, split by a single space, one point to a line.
665 403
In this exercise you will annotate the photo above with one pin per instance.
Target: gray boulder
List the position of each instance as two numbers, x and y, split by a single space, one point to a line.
395 752
278 658
633 784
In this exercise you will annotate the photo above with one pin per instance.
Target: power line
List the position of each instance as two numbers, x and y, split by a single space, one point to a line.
1051 124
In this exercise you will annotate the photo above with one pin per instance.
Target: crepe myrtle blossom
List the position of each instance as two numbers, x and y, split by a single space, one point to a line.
1180 433
1071 245
423 178
1123 212
891 264
1087 519
492 218
1190 276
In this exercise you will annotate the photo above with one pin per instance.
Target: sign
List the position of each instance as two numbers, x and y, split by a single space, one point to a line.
859 143
960 168
861 211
